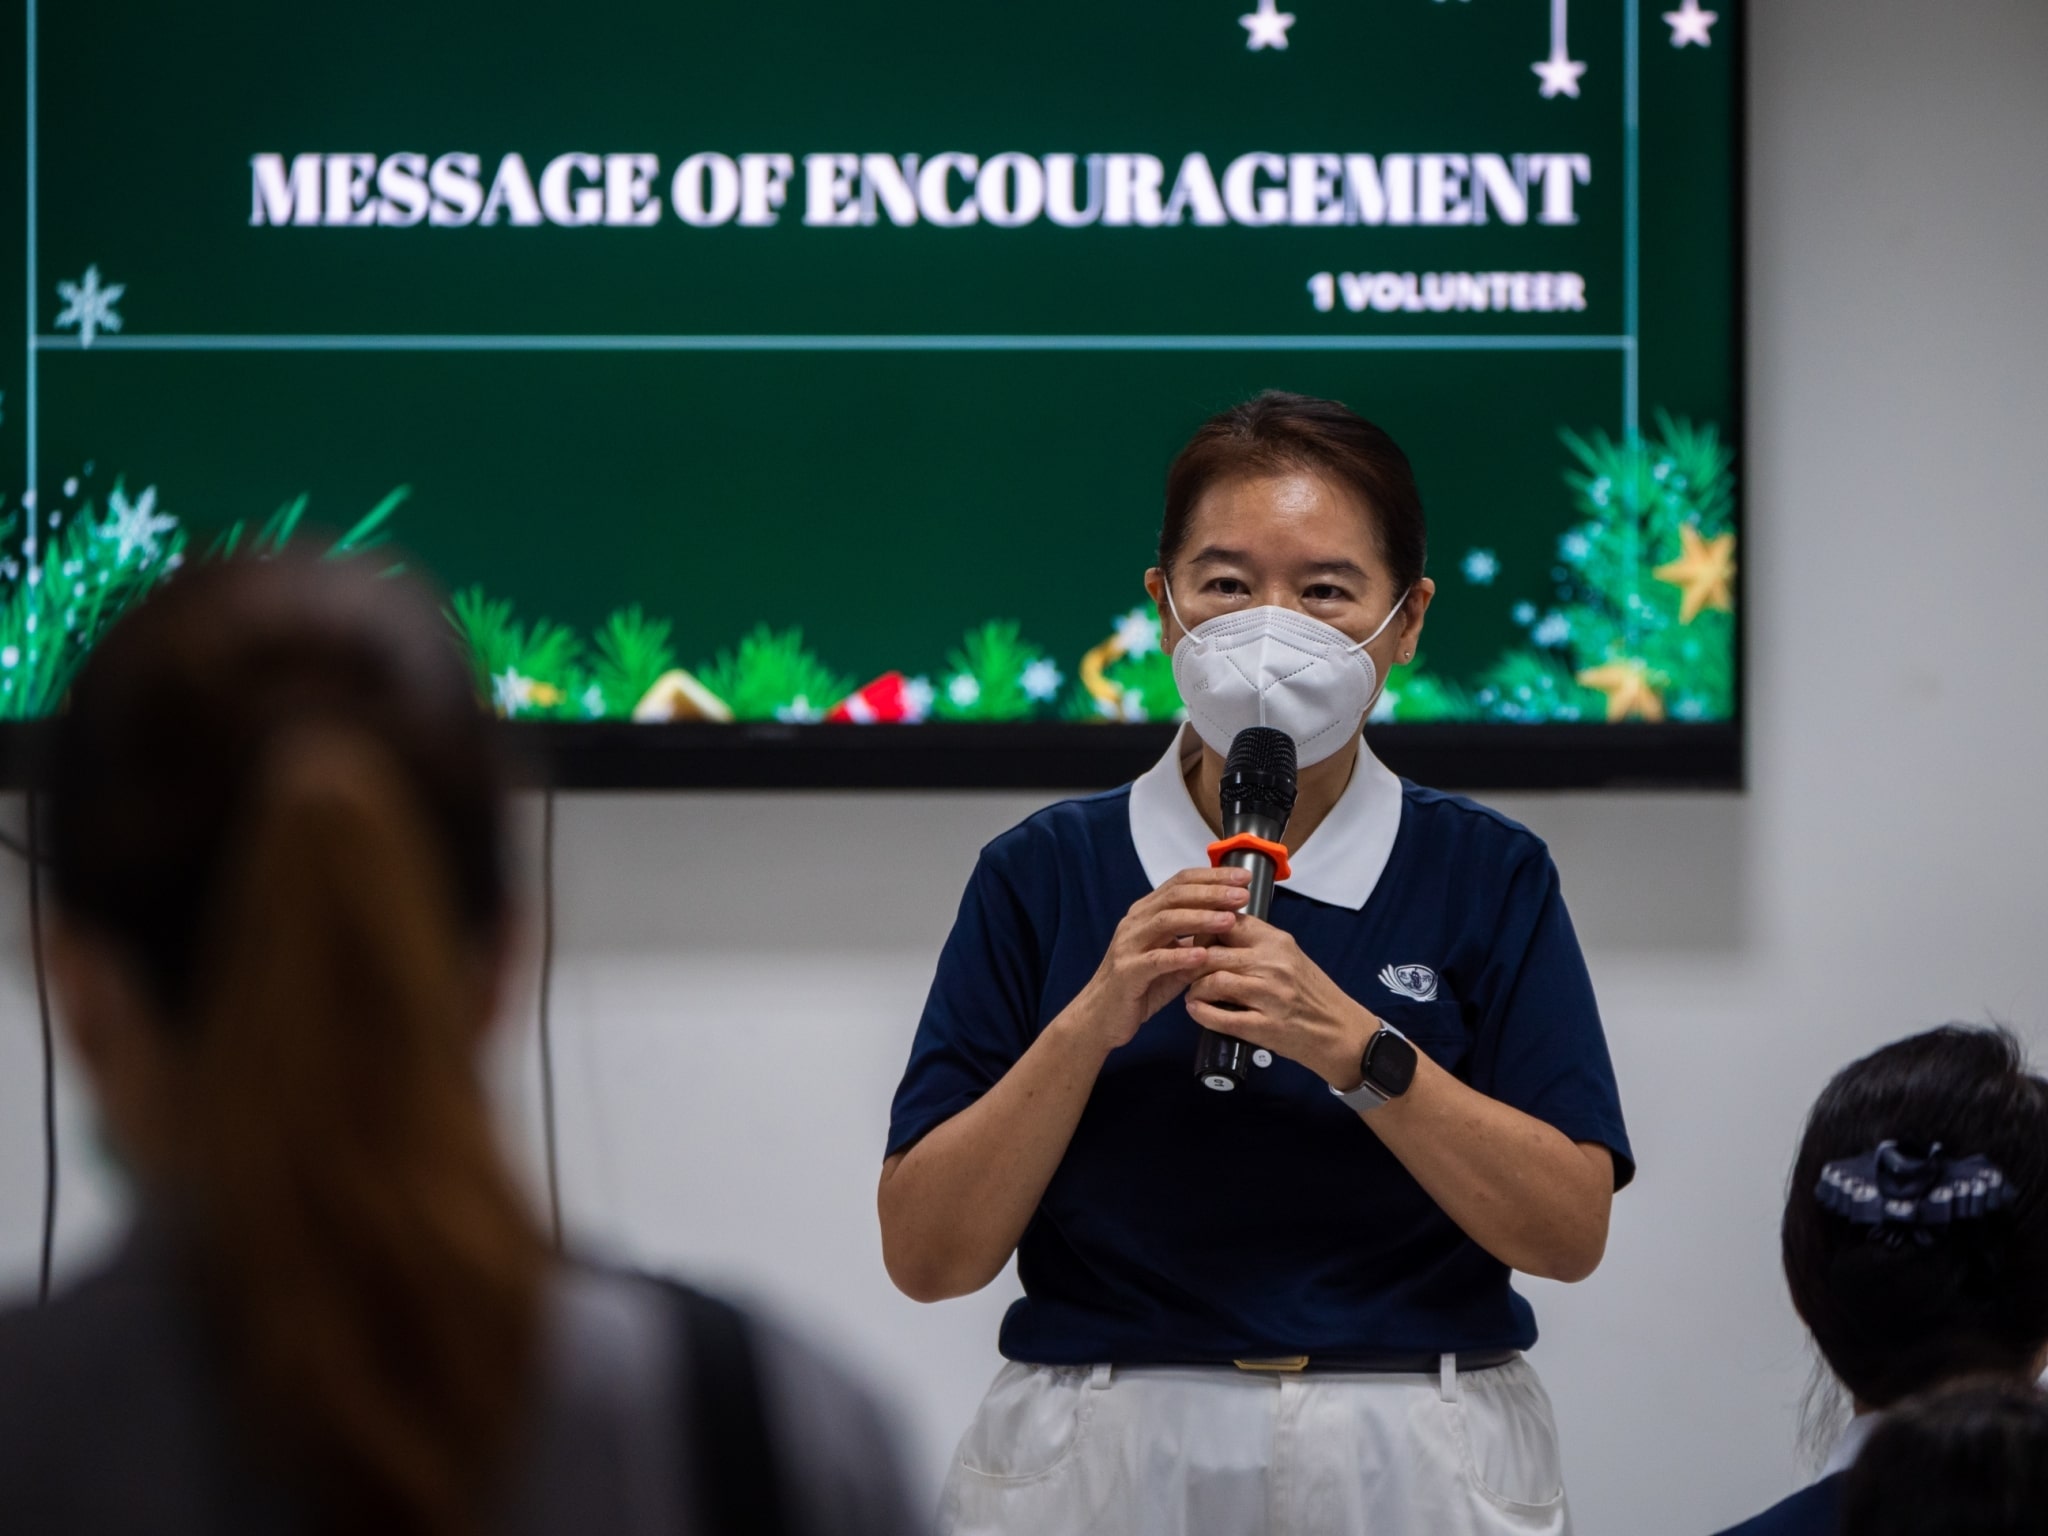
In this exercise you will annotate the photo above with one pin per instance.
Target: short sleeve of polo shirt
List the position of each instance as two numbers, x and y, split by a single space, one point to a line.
1540 1047
982 1013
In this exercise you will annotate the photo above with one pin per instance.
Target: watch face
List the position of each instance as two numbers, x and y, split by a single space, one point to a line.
1390 1063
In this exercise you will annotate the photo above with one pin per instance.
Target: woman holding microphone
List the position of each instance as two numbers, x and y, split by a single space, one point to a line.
1284 1309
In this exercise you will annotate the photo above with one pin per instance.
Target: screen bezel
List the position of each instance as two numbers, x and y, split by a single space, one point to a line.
1054 755
1060 755
608 755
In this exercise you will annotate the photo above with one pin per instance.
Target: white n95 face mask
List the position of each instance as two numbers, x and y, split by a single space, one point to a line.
1275 667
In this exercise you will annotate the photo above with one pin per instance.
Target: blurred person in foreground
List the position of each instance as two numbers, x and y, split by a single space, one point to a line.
1915 1237
1971 1460
276 835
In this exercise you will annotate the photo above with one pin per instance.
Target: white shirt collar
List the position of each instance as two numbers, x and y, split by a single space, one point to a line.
1339 864
1850 1445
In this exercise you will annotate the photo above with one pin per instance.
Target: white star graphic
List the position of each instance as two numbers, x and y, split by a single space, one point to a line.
1560 75
1689 24
1266 27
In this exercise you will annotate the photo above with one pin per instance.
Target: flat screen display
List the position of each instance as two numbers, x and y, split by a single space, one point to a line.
811 368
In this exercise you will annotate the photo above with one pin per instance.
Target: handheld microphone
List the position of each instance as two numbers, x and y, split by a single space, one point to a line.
1258 797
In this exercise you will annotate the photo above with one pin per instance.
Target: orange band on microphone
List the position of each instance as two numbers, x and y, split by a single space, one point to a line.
1277 852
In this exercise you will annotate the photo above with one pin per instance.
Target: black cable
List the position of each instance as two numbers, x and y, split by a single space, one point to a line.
547 976
35 940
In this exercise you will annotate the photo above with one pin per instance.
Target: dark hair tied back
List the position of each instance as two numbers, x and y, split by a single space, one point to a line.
277 800
1956 1278
1276 433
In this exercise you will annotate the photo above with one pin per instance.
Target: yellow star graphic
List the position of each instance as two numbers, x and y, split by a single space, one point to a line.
1703 572
1628 688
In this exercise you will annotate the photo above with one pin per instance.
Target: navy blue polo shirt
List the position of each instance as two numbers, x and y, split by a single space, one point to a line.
1185 1225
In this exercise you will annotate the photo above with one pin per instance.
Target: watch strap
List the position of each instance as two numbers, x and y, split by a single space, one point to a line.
1367 1096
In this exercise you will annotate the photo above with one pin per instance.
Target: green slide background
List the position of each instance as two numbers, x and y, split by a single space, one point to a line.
886 501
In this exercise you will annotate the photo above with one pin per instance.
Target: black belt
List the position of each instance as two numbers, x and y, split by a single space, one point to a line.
1383 1364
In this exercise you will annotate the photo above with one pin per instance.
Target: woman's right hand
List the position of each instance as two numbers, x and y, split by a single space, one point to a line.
955 1205
1158 948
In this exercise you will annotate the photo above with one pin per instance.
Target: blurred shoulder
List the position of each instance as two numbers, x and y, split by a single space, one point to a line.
121 1317
1815 1510
112 1415
627 1362
846 1466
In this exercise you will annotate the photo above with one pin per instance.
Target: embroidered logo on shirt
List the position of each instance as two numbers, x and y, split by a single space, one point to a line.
1416 981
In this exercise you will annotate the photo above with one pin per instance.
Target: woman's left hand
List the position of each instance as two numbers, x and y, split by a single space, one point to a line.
1516 1186
1286 1002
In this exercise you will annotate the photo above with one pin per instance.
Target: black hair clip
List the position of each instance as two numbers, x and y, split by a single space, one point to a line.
1889 1187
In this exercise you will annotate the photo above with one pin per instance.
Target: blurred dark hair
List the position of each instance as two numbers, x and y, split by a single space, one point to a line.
1277 433
1894 1315
1968 1461
275 795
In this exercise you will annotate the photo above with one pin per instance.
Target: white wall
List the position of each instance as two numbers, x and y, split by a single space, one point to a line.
739 974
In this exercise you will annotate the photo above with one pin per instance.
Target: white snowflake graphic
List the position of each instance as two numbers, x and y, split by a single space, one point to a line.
1138 632
1041 680
963 689
1575 546
89 306
511 692
135 525
1481 566
1554 630
799 711
1525 614
917 698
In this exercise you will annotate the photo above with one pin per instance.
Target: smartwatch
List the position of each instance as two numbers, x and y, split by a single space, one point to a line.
1388 1067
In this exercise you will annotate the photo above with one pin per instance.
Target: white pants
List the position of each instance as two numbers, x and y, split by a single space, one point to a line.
1206 1451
